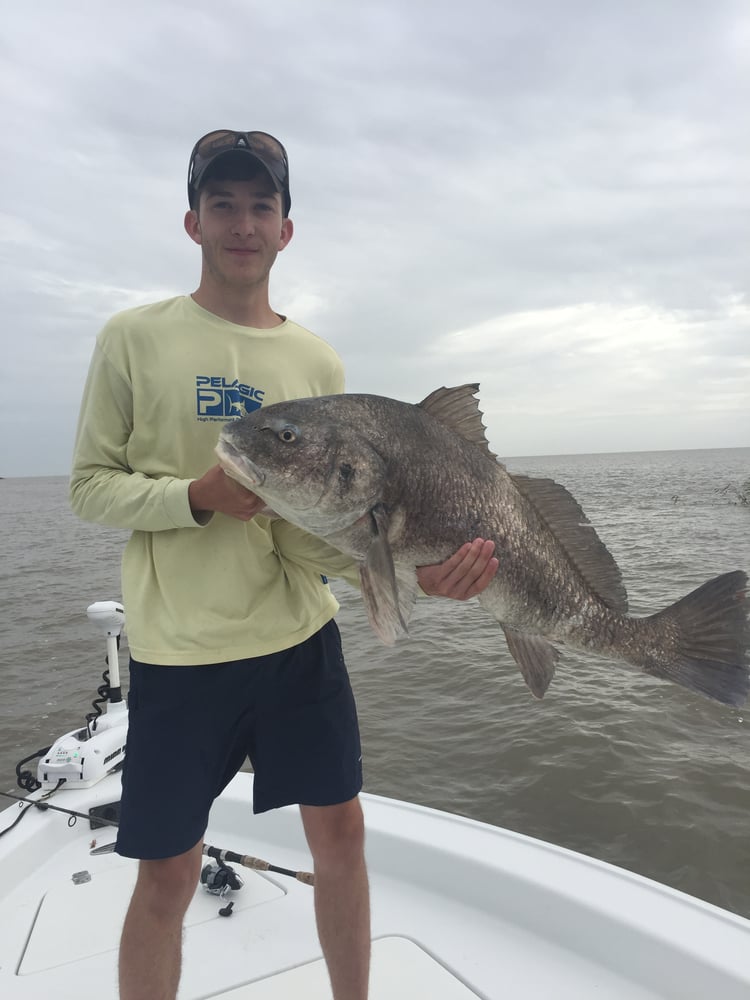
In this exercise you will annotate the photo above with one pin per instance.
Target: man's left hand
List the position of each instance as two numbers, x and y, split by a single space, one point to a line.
464 575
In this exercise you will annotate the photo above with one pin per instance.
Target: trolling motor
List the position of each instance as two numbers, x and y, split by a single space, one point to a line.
84 756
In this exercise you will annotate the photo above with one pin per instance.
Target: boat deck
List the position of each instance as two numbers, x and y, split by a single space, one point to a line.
460 910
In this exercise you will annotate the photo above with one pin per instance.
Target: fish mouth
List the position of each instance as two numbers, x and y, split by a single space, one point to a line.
238 466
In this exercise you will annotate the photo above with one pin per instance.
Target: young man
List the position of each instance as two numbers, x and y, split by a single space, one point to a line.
230 623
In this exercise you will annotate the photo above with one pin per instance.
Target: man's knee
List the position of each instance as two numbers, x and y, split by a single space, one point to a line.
335 834
167 885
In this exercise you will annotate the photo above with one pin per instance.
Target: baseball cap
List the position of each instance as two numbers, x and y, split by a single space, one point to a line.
261 146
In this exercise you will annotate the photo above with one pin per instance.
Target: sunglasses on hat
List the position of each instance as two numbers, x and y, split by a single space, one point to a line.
260 145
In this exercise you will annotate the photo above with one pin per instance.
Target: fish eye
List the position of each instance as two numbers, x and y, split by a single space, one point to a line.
288 434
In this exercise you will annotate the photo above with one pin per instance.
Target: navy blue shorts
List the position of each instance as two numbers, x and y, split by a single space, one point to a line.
192 728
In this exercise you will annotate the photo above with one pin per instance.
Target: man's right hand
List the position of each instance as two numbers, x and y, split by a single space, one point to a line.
215 491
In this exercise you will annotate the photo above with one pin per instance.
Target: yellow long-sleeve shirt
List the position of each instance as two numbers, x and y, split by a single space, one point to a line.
163 380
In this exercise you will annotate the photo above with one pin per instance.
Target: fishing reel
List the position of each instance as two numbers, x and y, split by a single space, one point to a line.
219 879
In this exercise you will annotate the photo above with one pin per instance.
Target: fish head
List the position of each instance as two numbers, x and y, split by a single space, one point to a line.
312 469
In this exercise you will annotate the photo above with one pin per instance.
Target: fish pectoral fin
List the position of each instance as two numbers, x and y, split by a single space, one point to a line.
388 592
535 656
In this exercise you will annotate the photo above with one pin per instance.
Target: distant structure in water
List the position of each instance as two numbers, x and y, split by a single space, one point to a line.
739 495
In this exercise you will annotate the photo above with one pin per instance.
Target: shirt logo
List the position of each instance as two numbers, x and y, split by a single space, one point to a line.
218 398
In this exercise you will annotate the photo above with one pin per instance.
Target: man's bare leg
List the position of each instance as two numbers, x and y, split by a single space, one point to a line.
342 898
151 943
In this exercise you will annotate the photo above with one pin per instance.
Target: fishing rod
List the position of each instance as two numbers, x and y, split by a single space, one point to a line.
40 804
247 861
217 853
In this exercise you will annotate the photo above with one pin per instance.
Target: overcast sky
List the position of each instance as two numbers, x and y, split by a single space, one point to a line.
548 197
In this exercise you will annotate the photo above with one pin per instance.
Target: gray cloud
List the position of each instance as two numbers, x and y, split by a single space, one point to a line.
551 198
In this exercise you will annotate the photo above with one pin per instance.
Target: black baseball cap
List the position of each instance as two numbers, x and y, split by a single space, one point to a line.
261 146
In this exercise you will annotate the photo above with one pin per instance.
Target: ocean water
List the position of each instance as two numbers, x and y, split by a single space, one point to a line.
617 765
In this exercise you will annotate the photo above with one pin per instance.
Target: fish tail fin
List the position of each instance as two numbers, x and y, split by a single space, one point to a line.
712 637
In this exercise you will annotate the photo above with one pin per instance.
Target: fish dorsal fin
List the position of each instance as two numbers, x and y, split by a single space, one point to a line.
458 408
563 515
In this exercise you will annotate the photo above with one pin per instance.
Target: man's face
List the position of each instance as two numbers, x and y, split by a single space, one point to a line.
240 230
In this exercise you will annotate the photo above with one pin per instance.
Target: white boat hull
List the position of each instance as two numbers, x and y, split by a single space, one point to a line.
460 910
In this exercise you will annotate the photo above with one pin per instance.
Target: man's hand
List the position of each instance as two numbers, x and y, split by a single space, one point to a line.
464 575
215 491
